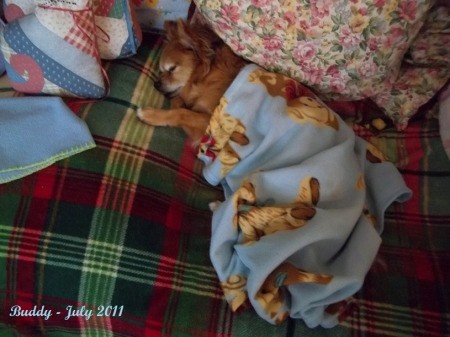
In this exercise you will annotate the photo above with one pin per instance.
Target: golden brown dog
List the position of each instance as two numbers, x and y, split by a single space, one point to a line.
196 69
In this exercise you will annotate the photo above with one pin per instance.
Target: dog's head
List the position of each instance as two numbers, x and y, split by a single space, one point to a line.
188 52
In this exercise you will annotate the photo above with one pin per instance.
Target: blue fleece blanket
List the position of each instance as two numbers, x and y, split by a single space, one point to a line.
35 132
304 200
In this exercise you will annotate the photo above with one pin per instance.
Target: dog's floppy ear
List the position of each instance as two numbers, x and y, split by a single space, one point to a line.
202 45
170 30
179 31
195 39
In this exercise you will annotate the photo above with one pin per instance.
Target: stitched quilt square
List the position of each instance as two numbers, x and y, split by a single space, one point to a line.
54 51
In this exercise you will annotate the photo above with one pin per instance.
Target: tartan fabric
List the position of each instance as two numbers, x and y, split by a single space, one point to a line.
127 225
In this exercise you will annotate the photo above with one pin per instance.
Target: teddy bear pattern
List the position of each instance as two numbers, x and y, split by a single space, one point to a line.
301 108
256 221
222 131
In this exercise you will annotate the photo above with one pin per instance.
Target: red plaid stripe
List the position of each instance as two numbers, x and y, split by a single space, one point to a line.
164 276
82 33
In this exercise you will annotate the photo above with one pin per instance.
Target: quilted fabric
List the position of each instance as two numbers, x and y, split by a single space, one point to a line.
127 224
117 30
54 51
17 9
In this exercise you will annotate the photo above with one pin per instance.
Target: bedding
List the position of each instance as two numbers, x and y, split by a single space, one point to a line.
117 28
28 144
124 229
304 200
345 50
54 51
118 32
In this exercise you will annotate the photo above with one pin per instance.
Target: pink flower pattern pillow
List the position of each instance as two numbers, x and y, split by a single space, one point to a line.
343 49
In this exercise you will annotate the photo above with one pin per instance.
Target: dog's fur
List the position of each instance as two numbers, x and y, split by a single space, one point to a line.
196 69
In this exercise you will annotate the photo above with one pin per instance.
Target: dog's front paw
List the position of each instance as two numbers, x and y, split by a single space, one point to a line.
151 116
145 114
140 113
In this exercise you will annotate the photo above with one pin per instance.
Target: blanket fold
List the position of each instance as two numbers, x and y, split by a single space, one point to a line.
304 200
35 132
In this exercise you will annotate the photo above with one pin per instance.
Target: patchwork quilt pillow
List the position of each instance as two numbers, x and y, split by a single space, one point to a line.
54 51
15 9
117 29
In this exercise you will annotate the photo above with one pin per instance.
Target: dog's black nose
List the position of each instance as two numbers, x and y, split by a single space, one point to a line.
157 85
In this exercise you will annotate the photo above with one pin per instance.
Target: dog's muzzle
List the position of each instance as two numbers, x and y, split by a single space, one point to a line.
159 85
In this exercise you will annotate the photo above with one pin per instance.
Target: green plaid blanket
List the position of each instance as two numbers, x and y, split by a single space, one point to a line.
115 241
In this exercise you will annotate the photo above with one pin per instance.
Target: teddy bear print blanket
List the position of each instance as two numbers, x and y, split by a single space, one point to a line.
304 200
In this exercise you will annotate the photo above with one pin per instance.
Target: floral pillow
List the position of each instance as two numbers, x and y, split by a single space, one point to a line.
343 49
425 69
